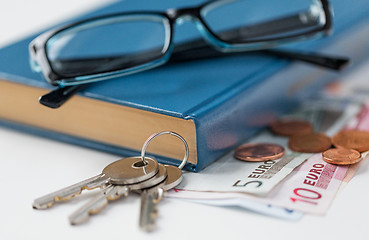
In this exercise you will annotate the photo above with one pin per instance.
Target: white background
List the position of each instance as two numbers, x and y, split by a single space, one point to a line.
33 166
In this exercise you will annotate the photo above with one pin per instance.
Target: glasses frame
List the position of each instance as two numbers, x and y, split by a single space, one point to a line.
40 61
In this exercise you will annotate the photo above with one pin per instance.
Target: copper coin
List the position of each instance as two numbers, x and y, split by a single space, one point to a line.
310 143
341 156
352 139
259 152
291 127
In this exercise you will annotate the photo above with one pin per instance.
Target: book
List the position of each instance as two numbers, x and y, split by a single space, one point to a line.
214 104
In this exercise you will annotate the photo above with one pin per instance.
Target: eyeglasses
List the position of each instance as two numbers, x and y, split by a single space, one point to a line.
120 44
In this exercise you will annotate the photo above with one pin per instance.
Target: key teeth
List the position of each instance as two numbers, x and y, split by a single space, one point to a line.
70 192
76 220
39 206
97 204
51 203
149 212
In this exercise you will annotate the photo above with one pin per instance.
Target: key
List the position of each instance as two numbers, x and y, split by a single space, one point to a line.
152 196
114 192
124 171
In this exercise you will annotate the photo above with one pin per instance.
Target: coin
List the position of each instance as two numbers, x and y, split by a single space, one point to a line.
291 127
258 152
341 156
309 143
352 139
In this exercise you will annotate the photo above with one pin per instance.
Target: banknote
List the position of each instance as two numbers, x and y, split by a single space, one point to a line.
259 178
230 174
310 188
257 207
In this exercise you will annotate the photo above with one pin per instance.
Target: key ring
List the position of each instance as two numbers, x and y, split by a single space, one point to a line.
146 144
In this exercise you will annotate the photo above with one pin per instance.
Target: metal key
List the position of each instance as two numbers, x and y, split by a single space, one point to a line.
113 192
124 171
152 196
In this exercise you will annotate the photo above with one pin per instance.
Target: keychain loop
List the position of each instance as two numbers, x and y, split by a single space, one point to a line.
146 144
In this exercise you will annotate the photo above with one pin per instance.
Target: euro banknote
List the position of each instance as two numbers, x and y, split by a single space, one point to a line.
310 188
259 178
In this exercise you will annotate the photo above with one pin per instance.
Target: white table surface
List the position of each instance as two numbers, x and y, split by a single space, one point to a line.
32 166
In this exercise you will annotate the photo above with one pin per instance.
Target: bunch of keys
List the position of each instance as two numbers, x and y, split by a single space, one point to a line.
143 175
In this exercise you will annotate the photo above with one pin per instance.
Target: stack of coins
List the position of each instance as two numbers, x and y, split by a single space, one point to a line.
349 144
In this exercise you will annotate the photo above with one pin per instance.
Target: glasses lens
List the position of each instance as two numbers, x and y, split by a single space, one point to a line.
108 44
255 20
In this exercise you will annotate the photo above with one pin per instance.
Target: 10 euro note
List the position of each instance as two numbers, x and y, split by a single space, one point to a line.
259 178
312 187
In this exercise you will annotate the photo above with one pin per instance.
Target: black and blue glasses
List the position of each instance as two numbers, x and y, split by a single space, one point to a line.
120 44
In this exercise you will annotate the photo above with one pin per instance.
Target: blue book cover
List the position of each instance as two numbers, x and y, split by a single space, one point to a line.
219 102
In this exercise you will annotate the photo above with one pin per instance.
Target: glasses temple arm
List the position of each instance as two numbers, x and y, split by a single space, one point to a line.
205 52
334 63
